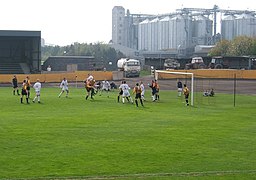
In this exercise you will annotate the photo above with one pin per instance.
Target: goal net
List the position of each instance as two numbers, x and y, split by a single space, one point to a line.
197 85
191 75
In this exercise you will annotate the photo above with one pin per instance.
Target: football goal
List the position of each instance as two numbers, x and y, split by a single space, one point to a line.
157 72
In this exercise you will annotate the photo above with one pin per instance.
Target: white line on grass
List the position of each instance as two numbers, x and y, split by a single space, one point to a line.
144 175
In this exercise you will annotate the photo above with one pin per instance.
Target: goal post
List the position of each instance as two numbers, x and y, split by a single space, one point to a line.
180 73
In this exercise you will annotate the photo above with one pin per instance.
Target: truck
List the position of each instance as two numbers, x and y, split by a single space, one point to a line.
130 67
218 62
196 63
171 64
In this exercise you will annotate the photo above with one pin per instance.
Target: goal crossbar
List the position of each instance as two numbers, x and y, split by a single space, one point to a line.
180 73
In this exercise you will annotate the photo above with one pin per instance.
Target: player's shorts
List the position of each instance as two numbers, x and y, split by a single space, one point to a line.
138 96
121 92
126 94
15 86
88 89
23 92
179 89
38 93
64 88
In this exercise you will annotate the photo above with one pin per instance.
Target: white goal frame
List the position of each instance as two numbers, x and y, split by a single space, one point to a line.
182 73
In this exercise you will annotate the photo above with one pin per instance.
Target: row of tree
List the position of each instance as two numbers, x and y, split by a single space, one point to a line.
240 46
99 51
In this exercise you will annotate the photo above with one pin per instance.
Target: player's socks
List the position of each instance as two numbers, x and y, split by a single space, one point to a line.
21 100
18 92
13 92
118 98
27 100
136 101
141 102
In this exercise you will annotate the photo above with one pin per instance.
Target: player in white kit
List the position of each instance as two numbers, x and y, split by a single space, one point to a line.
37 86
64 87
126 94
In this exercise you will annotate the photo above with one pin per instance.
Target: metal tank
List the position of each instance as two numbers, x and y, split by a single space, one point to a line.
245 25
228 27
180 32
164 33
143 35
153 34
202 30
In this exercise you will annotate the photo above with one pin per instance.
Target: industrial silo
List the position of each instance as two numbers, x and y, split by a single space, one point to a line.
164 33
202 30
143 35
245 25
153 33
228 27
180 33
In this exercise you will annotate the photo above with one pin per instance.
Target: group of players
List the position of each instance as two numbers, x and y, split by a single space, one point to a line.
25 89
93 88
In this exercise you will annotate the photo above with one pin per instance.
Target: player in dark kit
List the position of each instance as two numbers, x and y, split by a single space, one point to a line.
186 93
137 90
15 85
120 93
24 92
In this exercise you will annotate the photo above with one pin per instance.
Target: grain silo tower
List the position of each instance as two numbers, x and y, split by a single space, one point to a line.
228 27
245 25
164 33
153 39
180 33
143 35
202 31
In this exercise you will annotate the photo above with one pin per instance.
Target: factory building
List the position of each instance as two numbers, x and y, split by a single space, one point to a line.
180 31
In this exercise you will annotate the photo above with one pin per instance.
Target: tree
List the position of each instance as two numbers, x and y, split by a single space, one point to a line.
100 51
221 48
239 46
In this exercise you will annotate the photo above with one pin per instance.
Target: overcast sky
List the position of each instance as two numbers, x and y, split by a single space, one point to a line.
63 22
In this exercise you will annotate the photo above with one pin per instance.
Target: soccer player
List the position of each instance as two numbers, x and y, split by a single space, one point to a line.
126 94
142 91
153 86
179 86
89 86
64 87
24 91
37 86
137 90
105 86
120 92
157 90
90 77
15 85
186 93
28 86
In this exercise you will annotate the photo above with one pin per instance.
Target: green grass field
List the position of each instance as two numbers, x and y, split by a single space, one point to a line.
71 138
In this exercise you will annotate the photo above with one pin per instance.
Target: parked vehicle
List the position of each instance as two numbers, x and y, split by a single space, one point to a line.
196 63
218 63
171 64
130 67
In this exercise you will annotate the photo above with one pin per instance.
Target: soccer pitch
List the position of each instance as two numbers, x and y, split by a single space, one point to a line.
74 138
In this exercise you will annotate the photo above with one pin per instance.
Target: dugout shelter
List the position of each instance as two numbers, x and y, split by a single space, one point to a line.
20 52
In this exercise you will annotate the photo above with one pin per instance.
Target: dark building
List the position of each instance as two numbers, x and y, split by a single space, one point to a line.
72 63
20 52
